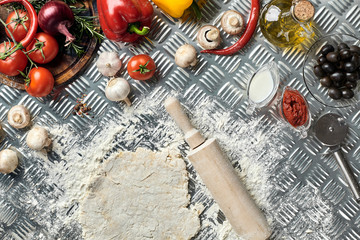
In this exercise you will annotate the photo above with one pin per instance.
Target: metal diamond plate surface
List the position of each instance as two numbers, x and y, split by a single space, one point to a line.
223 78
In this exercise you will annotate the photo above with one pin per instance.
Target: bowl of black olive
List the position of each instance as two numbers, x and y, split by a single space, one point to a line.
331 70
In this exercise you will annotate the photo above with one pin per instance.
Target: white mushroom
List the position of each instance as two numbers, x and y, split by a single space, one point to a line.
118 89
232 22
209 37
19 116
38 138
185 56
8 161
108 63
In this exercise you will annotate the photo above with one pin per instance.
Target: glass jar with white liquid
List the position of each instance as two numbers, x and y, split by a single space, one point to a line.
263 86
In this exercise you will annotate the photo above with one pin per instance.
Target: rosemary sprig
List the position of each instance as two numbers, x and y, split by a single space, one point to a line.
85 24
79 50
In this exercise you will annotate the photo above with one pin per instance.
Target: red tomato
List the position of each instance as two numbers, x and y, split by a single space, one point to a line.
18 23
41 82
141 67
46 43
14 63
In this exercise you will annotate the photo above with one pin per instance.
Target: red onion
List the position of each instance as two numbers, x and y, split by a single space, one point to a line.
56 17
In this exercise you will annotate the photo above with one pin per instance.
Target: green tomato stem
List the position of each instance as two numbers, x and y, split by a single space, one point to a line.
7 53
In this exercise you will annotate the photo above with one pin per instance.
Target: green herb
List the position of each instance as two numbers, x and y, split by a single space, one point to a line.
79 50
85 24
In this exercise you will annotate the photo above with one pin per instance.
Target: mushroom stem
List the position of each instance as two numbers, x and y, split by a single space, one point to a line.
208 37
212 35
234 21
17 118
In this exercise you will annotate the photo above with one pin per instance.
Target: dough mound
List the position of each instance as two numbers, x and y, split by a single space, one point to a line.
141 195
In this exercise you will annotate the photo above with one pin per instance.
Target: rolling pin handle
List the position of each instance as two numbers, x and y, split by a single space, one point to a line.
192 136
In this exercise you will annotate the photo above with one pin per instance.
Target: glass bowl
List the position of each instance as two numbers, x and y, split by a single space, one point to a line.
312 82
266 93
302 129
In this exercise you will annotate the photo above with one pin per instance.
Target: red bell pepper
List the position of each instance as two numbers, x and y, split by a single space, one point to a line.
125 20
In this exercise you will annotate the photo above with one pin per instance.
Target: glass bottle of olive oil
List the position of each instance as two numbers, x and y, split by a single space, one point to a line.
287 23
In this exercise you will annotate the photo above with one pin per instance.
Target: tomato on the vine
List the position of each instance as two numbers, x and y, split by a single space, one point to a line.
40 82
43 49
141 67
13 64
18 23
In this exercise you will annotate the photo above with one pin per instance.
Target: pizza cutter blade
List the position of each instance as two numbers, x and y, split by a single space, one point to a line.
331 129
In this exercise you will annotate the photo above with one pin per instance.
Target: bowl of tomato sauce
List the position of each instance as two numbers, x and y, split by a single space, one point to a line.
294 109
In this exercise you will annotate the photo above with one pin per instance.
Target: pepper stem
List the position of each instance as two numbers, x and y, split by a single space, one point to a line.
196 10
134 28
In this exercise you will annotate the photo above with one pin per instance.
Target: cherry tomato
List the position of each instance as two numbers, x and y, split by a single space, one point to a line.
141 67
14 63
18 23
45 48
41 82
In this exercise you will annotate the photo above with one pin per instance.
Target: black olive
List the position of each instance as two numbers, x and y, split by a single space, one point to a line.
345 54
337 76
334 93
326 49
343 46
349 67
355 49
347 93
328 67
352 76
339 65
356 60
338 84
321 60
333 57
326 81
350 85
319 72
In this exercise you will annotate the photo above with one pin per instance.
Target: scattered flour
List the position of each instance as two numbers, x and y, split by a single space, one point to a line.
253 146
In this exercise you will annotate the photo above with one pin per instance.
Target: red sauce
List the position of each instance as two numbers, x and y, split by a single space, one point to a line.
294 108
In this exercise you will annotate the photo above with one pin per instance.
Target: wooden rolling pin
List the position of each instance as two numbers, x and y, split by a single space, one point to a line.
221 179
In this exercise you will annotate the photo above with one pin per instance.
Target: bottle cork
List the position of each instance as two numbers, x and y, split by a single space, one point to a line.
304 10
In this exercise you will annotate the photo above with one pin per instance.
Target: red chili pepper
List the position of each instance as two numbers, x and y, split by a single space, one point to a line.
245 38
125 20
33 21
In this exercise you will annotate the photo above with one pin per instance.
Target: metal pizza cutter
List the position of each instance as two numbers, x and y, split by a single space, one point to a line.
331 130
